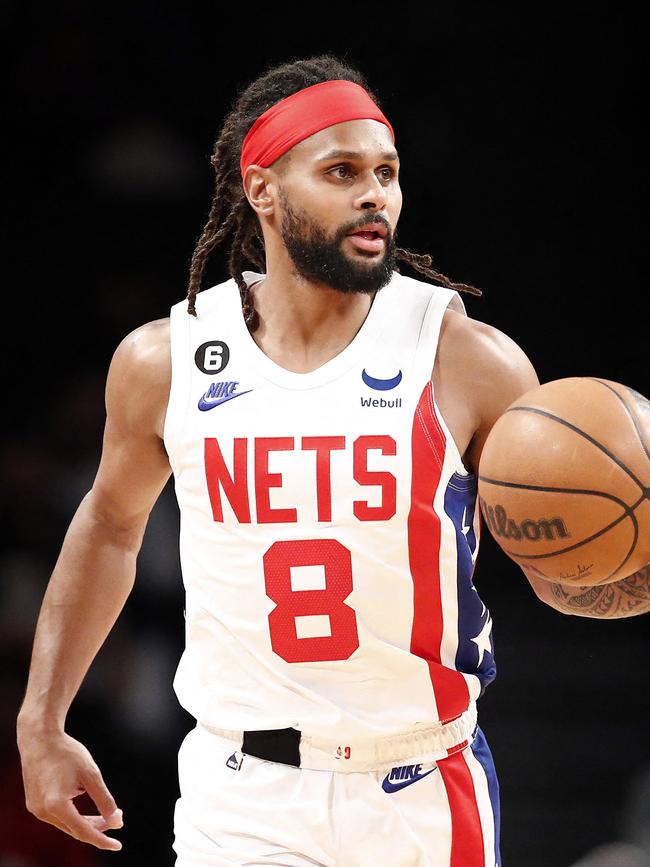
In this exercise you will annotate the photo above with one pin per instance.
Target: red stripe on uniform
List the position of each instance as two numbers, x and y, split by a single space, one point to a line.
467 846
428 452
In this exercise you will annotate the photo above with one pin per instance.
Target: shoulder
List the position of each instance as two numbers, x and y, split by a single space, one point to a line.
469 341
487 367
146 344
139 377
145 353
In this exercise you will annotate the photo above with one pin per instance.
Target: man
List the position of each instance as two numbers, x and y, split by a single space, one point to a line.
324 418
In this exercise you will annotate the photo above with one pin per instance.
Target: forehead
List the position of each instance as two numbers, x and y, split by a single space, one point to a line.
366 137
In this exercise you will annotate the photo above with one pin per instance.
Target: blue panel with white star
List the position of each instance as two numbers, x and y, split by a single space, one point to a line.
475 654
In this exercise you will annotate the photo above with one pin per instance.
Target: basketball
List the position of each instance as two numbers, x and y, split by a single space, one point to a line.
564 481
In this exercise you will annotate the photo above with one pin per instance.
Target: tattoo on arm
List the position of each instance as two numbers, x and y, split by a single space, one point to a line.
625 598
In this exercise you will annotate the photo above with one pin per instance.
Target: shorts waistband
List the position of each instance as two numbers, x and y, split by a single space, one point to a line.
294 747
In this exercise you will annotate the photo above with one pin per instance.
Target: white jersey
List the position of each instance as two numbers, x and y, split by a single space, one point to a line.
328 526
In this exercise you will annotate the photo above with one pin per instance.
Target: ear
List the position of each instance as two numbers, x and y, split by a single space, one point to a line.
260 188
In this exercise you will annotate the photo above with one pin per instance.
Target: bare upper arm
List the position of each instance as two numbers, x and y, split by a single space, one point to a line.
134 466
484 372
506 374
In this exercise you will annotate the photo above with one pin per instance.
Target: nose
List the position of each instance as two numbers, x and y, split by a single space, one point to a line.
374 195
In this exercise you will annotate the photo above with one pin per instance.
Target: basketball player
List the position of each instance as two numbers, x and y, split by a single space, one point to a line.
323 415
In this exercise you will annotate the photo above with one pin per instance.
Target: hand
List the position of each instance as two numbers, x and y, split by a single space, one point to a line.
627 597
56 768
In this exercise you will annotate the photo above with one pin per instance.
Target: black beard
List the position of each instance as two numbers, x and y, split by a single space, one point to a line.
319 258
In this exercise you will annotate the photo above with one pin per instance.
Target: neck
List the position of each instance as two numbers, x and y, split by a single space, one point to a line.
303 323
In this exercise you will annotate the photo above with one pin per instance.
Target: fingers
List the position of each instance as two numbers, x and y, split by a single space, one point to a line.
83 827
94 784
62 814
69 772
101 824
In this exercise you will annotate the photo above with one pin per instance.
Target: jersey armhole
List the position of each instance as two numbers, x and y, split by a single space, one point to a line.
456 303
441 299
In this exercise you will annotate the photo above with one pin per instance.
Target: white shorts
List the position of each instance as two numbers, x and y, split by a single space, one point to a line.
241 811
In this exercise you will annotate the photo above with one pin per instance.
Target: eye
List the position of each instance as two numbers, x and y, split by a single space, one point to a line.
343 169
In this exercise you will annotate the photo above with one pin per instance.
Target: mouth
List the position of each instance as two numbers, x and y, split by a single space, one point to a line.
370 238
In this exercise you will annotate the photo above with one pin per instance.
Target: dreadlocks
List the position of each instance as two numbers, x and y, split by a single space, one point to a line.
231 215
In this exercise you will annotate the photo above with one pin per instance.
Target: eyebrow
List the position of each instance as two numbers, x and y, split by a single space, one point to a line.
355 155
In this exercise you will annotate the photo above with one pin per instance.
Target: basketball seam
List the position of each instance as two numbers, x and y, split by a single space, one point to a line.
555 490
629 412
628 512
581 433
582 542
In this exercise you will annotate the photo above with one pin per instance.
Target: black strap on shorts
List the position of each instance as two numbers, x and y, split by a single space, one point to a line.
274 745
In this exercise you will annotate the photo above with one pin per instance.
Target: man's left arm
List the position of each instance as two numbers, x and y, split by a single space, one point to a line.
625 598
503 373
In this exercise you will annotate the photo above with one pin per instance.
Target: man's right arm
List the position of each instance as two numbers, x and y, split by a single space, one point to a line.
91 581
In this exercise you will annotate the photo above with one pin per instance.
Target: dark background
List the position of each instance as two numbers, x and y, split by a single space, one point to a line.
523 159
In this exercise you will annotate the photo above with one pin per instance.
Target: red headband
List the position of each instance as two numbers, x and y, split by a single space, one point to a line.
302 114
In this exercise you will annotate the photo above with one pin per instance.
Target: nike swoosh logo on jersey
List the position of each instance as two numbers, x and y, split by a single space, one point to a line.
381 384
206 402
387 786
